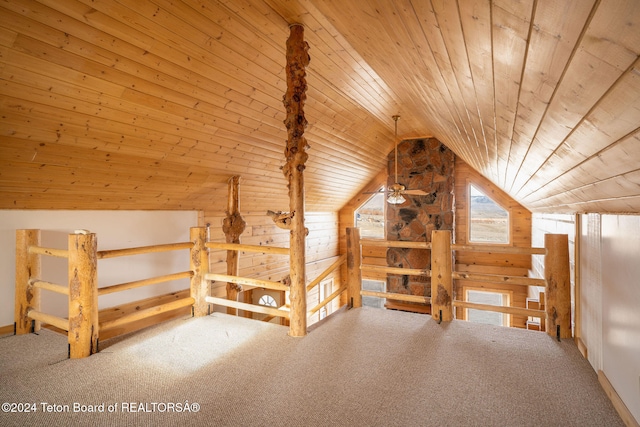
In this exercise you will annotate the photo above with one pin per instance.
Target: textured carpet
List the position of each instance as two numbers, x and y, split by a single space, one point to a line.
363 367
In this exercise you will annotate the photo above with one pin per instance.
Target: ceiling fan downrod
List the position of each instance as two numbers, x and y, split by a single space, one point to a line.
395 198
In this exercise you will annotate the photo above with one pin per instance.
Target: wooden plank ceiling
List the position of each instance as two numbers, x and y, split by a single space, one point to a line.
154 104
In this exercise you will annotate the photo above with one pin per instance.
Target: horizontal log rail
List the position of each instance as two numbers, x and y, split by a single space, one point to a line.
395 244
518 311
268 284
396 270
397 297
58 322
144 250
143 314
499 279
341 260
39 250
144 282
53 287
328 299
456 247
271 311
247 248
499 249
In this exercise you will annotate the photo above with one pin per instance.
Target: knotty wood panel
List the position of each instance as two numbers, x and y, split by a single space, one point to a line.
154 104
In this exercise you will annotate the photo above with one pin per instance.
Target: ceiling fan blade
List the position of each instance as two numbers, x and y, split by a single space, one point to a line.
414 192
373 192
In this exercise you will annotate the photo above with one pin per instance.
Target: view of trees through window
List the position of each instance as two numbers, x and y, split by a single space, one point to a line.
488 221
369 218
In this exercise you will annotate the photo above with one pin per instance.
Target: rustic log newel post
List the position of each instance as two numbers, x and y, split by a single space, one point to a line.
294 99
441 276
558 285
199 264
27 267
354 262
233 225
83 295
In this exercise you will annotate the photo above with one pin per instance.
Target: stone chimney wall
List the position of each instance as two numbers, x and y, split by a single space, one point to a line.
428 165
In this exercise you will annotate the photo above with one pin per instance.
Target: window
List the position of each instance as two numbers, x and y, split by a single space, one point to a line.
369 217
488 221
267 300
377 286
484 316
325 289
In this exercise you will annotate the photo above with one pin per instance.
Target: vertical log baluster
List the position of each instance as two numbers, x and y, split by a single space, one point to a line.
354 262
83 295
558 287
295 121
27 266
200 266
233 225
441 277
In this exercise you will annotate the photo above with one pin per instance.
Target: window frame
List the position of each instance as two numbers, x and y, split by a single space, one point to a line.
381 191
507 297
482 190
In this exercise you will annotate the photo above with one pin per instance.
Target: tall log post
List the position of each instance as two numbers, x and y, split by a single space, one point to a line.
83 295
558 287
441 277
354 262
199 264
233 225
294 99
27 266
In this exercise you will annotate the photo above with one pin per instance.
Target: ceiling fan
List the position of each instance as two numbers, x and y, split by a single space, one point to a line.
397 190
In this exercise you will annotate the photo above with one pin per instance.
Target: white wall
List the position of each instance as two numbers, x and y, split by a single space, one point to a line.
114 230
591 287
609 297
621 306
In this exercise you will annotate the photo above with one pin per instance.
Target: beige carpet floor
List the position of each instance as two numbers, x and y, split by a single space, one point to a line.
362 367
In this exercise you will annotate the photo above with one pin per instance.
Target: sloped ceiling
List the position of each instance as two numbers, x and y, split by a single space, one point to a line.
136 104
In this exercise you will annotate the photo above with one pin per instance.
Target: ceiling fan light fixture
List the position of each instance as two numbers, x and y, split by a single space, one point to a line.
396 199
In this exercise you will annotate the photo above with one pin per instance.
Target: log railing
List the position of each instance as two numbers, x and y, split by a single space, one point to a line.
282 311
556 281
334 266
83 325
158 309
267 284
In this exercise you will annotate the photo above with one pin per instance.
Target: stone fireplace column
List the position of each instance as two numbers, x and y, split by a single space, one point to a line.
428 165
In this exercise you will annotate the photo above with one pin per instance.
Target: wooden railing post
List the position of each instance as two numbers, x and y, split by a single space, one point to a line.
27 266
441 276
200 267
233 225
293 169
558 285
354 261
83 295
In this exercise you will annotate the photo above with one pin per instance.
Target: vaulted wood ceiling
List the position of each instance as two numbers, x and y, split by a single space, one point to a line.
154 104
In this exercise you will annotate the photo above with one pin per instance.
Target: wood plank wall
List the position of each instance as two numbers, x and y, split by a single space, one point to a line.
520 232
